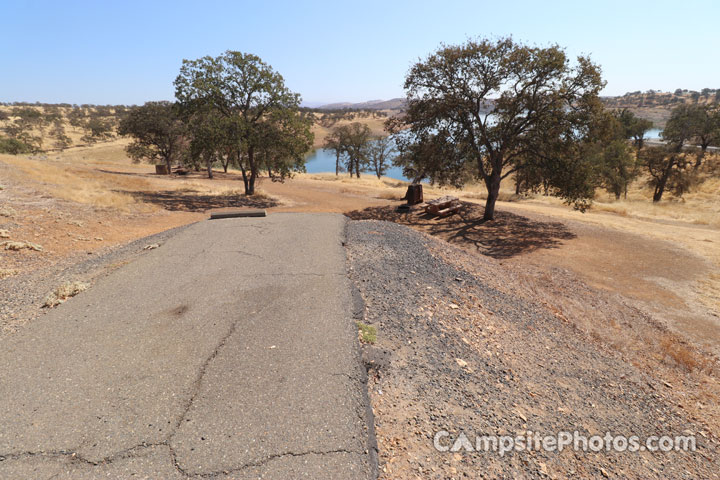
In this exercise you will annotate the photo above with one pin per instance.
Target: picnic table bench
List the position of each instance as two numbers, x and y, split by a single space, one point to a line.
443 206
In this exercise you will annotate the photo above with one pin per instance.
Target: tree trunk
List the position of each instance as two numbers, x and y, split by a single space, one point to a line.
662 182
244 173
251 190
245 179
169 165
208 165
337 163
493 188
699 159
250 185
659 189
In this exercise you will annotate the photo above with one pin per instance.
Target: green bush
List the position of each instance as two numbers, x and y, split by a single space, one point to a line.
14 146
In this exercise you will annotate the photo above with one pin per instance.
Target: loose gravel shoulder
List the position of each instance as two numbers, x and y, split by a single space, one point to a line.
22 296
470 351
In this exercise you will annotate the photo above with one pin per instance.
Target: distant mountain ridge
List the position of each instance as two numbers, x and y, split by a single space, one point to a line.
392 104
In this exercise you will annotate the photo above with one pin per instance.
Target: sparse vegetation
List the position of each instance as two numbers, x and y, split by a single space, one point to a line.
16 246
8 272
63 292
681 353
367 333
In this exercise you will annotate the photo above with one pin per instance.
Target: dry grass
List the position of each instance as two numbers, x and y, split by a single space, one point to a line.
16 246
701 206
680 353
8 272
391 195
63 292
8 212
82 185
377 127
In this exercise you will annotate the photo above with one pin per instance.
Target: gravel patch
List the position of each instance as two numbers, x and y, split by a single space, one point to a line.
468 353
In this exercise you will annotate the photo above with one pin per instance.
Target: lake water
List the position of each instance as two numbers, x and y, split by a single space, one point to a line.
323 161
653 133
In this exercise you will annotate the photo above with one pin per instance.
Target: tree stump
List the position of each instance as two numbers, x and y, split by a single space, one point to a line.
414 194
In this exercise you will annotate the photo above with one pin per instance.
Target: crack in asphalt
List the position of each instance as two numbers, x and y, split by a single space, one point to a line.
131 452
269 459
76 457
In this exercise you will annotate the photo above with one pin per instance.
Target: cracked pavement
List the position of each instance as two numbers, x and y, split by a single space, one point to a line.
228 352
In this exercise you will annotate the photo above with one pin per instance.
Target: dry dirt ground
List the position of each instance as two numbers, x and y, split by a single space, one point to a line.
467 343
664 279
642 288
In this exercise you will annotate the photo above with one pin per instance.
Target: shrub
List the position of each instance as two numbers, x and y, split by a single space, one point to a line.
14 146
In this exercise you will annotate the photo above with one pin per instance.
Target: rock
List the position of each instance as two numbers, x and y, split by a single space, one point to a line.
4 234
375 358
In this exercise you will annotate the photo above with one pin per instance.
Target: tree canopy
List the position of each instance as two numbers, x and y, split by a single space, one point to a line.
157 130
633 127
258 114
699 124
487 109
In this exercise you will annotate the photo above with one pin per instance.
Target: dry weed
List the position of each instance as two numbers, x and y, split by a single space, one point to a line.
673 347
9 245
8 272
63 292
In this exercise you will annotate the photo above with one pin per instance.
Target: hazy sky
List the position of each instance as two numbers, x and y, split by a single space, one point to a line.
109 52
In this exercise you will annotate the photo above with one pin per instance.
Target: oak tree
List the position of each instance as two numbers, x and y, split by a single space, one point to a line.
158 133
247 93
489 104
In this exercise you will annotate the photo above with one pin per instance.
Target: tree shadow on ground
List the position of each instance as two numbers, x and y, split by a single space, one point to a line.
191 202
191 174
505 237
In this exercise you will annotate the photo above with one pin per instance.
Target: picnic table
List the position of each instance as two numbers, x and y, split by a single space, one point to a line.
443 206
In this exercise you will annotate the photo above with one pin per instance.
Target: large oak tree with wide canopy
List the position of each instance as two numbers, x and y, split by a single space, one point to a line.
488 109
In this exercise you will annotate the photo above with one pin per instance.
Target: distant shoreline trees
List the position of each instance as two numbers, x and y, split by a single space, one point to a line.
356 150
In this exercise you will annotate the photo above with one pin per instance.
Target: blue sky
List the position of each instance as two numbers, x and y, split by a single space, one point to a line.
109 52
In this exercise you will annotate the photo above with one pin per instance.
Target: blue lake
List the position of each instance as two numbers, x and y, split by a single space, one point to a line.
323 161
653 133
